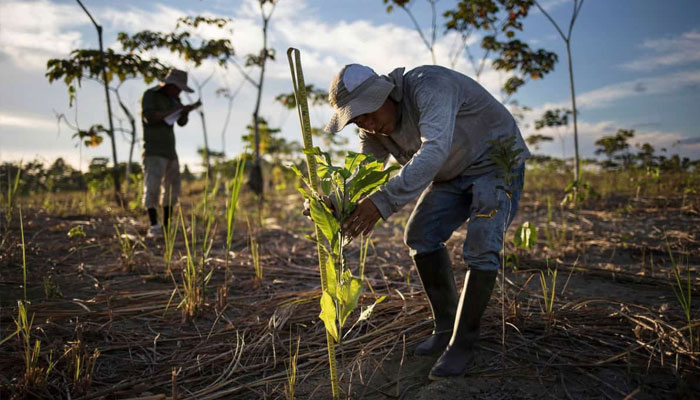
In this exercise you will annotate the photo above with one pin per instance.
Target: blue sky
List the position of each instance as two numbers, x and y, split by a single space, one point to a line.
636 65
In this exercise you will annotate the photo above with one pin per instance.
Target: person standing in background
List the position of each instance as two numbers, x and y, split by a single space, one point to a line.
160 109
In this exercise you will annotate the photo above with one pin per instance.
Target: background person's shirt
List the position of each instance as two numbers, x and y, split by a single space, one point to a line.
445 122
158 137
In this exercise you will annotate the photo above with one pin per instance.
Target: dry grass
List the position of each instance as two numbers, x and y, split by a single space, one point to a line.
590 346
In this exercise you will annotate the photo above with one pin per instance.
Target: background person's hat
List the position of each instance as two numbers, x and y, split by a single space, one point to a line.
176 77
356 90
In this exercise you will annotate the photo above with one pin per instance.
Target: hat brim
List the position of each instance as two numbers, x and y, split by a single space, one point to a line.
367 101
186 88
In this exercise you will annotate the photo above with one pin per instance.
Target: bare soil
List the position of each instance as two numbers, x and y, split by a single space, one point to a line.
617 329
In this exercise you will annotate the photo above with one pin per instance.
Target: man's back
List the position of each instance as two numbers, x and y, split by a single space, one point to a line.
446 122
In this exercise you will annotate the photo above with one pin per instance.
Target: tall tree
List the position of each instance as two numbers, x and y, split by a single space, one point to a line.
556 118
405 6
267 8
567 40
115 168
105 68
500 21
612 145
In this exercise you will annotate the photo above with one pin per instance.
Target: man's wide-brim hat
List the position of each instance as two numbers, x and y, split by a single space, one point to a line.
176 77
356 90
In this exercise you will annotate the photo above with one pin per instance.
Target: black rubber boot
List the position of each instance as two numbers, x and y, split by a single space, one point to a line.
459 355
435 271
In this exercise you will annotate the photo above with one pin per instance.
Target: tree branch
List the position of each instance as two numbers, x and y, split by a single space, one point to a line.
244 73
420 31
546 14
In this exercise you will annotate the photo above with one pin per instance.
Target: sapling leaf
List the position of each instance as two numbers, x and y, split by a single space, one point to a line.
331 278
324 219
326 187
367 312
328 315
354 160
350 293
525 236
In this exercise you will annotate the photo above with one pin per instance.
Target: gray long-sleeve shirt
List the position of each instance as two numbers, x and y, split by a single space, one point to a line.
445 122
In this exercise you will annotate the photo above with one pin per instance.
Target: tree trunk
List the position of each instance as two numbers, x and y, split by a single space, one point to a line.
207 163
132 123
574 112
115 169
255 178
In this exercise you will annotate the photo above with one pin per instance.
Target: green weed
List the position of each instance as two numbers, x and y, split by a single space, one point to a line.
683 293
195 276
34 374
234 187
127 244
82 365
548 290
9 204
291 367
170 237
51 289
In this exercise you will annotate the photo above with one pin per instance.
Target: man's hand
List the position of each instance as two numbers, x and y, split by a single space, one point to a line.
362 219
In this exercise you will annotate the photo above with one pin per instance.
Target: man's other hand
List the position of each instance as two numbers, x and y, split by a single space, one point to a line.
362 219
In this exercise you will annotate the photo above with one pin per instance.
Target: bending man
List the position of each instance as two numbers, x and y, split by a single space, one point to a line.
437 124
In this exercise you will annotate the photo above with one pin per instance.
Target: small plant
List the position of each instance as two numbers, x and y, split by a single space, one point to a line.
51 289
234 187
525 236
577 192
683 293
548 290
34 375
195 277
344 186
24 255
32 372
506 156
136 182
169 237
77 233
9 204
82 365
291 368
255 256
127 244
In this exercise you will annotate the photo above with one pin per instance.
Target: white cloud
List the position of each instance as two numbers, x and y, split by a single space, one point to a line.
27 122
681 50
33 31
132 19
673 142
382 47
607 95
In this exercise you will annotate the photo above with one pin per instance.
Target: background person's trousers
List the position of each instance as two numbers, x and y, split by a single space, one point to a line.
480 199
161 177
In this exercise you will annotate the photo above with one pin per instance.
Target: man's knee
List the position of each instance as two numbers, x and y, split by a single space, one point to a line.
484 241
419 240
